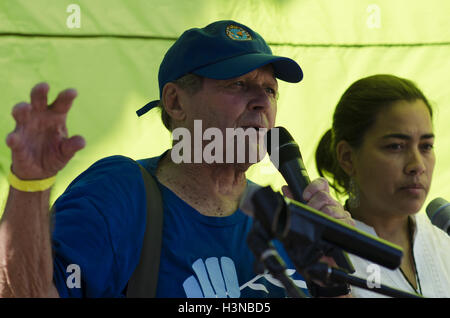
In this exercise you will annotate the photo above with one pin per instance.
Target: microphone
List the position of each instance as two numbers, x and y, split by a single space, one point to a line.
299 227
285 154
438 211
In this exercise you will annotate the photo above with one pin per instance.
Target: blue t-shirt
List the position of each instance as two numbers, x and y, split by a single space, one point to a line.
99 226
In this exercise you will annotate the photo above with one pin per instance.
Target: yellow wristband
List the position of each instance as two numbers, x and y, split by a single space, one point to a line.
30 185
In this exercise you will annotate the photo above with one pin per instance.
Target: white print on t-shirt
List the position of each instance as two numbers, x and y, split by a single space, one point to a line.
214 280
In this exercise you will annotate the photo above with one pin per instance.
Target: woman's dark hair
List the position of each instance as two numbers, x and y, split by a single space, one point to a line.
355 113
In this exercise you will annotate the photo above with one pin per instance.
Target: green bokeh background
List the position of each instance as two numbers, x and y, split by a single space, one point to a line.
113 58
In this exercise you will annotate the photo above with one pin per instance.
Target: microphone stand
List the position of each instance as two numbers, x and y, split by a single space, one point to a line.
266 255
326 274
305 253
306 259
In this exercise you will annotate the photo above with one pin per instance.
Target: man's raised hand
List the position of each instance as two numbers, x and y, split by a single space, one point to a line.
40 144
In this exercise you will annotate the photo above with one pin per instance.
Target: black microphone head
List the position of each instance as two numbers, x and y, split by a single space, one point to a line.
438 211
280 146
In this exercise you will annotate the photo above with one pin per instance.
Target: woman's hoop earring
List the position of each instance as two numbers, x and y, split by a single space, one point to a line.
353 194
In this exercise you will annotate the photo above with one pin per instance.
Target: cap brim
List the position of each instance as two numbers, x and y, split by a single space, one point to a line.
285 68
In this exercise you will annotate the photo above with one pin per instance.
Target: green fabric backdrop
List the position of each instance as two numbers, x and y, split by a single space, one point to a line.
112 60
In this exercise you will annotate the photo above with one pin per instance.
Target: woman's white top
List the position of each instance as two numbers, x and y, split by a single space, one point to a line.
431 247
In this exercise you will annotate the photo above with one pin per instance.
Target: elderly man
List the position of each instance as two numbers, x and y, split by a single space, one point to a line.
223 75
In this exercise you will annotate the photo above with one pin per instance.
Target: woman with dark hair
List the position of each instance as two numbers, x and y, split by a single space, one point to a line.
379 153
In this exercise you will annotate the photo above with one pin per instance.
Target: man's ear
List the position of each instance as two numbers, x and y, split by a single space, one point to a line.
172 105
345 157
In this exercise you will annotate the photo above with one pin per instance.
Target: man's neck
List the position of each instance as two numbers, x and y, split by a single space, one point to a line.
212 189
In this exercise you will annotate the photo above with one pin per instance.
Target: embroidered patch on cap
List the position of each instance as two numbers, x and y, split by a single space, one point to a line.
235 32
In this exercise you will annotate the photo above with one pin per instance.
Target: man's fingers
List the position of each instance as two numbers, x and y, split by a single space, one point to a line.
321 199
318 197
61 104
336 211
71 145
17 146
39 96
339 213
64 101
287 192
13 141
319 184
20 112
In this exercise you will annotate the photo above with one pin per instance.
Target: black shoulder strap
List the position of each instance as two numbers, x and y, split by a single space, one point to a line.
144 280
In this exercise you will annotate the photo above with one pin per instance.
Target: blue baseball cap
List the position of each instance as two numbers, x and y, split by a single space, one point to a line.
221 50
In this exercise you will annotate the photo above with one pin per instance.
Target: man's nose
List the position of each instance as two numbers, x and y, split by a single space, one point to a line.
260 98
